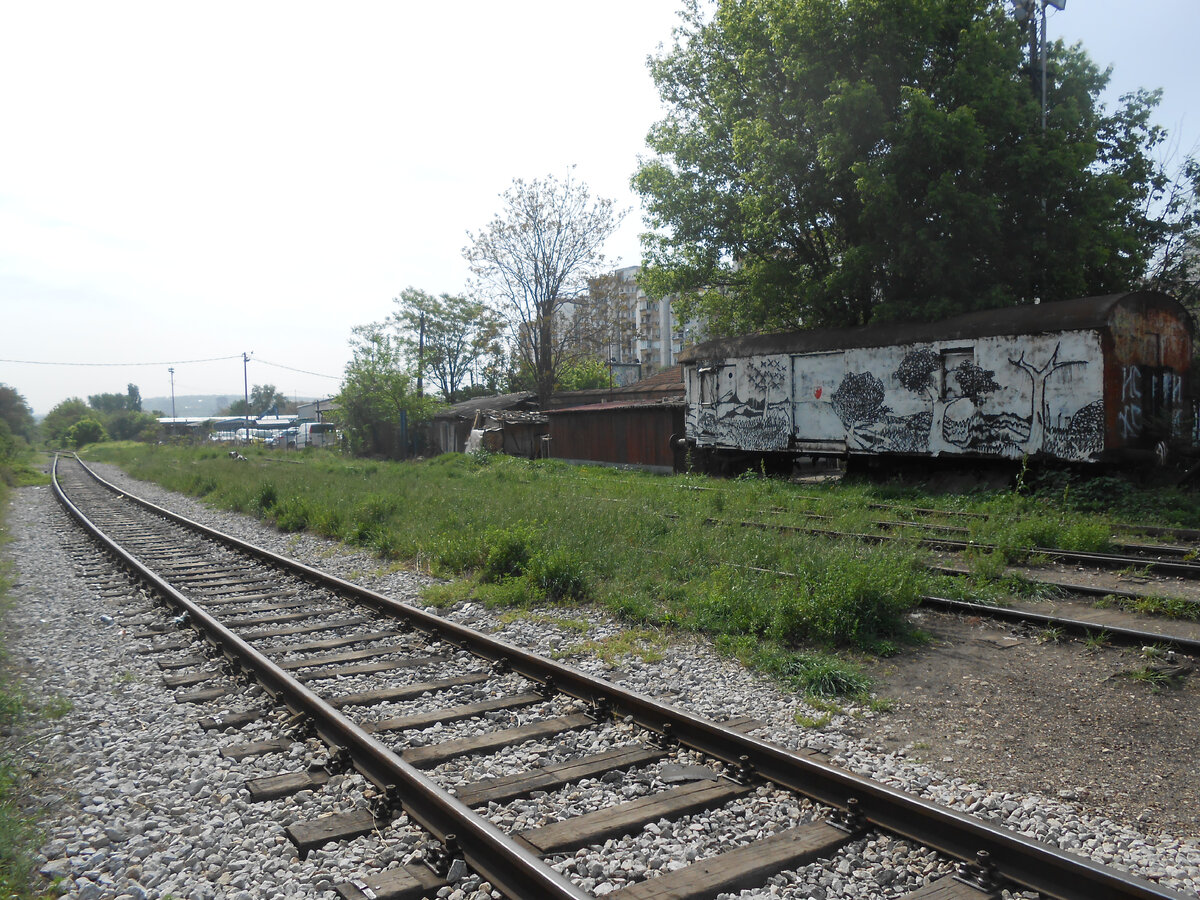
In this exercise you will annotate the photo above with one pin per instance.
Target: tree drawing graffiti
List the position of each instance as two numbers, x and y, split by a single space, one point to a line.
858 402
916 373
1039 412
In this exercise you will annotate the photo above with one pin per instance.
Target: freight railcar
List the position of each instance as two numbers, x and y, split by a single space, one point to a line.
1088 380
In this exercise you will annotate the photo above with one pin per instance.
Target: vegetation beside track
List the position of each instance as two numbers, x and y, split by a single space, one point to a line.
659 552
19 833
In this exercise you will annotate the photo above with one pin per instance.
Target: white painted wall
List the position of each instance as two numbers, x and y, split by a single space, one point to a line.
1003 396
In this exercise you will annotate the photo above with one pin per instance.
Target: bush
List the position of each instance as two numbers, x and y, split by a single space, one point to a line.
560 576
86 431
509 551
267 497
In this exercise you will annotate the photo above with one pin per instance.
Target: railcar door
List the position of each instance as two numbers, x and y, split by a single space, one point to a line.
815 423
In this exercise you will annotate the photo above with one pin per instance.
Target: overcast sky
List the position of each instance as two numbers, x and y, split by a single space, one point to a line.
190 181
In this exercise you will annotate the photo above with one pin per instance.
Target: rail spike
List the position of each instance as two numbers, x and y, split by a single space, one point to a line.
602 709
665 739
982 873
439 857
386 805
850 820
339 762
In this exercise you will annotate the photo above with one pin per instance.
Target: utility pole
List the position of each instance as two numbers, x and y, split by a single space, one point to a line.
421 359
1027 11
171 369
246 389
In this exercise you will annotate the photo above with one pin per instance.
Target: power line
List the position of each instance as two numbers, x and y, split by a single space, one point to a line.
177 362
301 371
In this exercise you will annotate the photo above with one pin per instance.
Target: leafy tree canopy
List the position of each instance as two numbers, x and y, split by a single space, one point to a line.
60 419
534 258
131 400
834 162
588 372
447 337
263 398
87 430
378 397
15 413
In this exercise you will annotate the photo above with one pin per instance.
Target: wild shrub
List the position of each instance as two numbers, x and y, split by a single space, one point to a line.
509 551
292 514
849 598
825 675
560 576
266 498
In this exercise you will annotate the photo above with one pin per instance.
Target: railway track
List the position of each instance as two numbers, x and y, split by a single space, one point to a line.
1190 535
1178 566
342 661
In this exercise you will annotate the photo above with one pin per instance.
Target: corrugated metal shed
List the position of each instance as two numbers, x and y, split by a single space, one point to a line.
635 434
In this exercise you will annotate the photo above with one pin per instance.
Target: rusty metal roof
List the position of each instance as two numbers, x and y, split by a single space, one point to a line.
1084 314
467 408
620 405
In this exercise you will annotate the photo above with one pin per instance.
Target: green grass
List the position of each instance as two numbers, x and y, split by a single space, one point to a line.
661 553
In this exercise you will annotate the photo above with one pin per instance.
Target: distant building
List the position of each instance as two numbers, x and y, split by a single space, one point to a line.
315 411
617 322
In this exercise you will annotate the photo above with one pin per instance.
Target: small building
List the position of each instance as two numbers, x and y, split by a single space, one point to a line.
639 434
452 426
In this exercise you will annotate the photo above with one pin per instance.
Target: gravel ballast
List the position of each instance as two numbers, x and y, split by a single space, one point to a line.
140 803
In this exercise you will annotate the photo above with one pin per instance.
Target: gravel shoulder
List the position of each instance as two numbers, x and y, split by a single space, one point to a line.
1054 747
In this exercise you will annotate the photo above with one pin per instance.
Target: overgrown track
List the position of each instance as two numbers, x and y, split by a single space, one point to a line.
1143 559
289 628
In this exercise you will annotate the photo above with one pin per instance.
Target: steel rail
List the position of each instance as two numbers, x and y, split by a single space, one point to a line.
512 869
1122 633
1185 534
1077 626
1019 859
1181 568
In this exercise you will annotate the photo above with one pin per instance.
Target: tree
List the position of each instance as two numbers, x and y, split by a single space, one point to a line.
584 373
378 398
534 257
1176 267
834 162
16 414
263 398
113 403
60 419
447 336
128 425
87 430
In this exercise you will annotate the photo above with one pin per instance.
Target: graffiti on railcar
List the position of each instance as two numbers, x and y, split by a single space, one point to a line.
956 413
1151 402
994 396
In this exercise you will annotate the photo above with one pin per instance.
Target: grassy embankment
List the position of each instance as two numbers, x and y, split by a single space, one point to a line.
658 552
19 835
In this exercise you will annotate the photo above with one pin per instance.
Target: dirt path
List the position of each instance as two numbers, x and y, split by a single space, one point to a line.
996 705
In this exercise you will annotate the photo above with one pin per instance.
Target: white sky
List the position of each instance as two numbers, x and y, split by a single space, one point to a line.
189 181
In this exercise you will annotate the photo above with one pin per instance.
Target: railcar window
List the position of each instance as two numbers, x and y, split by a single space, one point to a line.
952 358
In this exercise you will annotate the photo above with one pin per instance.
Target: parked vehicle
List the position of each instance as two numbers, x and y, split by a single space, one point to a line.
317 434
285 439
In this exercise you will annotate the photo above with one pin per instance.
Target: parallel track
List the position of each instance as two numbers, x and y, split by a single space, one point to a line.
236 596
